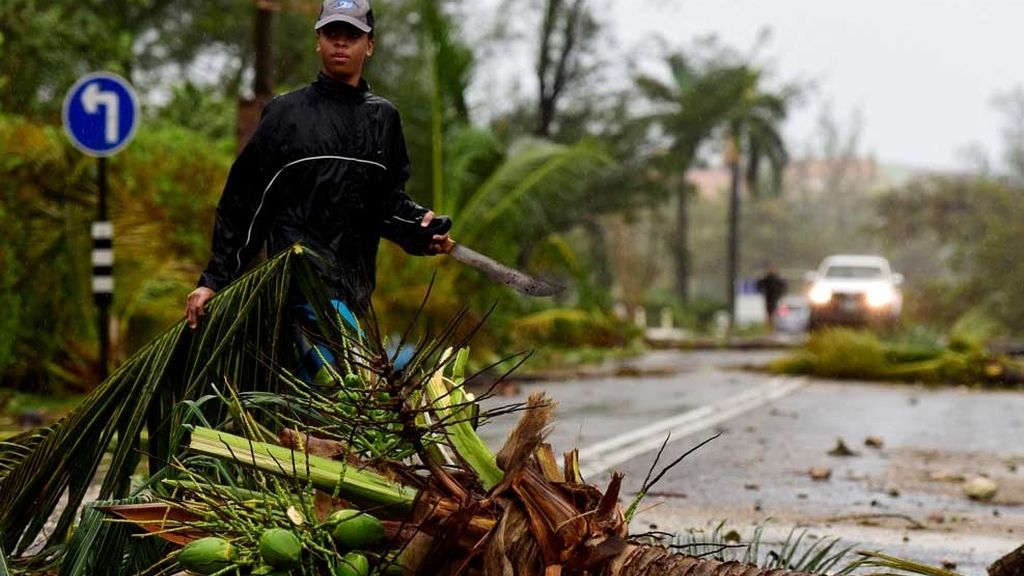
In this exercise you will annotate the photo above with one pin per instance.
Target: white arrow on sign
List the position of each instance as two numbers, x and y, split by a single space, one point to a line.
93 98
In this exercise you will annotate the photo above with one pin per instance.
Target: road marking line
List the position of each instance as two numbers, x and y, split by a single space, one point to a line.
604 455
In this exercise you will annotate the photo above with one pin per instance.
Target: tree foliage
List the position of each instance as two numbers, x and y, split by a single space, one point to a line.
974 226
499 198
538 203
163 190
1011 105
755 130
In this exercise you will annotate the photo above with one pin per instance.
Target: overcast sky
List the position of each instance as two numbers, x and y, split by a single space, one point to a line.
922 73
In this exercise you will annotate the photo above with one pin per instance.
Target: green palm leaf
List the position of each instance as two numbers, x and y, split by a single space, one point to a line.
755 124
4 570
472 156
38 468
538 180
103 547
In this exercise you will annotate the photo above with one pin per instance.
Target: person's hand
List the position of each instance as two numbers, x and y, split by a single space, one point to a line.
439 243
195 309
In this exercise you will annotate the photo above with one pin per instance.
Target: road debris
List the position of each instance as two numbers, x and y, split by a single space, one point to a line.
980 488
946 476
842 450
820 473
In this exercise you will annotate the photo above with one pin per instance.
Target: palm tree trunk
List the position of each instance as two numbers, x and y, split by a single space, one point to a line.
734 231
680 247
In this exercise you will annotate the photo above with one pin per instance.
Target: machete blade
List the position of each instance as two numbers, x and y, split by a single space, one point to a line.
498 272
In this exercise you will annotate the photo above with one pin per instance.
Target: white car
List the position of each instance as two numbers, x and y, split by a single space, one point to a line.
855 290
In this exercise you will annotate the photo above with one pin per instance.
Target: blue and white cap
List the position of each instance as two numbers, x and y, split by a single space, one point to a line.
355 12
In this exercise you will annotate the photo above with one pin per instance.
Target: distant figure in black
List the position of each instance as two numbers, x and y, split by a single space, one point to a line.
773 287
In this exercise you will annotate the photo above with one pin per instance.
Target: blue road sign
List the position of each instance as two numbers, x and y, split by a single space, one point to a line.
101 113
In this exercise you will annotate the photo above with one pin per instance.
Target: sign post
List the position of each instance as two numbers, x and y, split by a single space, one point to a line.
101 113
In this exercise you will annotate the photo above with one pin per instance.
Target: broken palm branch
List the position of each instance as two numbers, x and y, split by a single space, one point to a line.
360 485
453 409
240 502
41 468
530 522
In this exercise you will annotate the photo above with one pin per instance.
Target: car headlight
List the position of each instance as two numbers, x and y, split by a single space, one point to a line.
879 296
820 294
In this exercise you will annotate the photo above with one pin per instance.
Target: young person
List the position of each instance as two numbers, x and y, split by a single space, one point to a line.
326 166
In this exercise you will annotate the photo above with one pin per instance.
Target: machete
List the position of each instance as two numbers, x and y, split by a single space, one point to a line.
496 271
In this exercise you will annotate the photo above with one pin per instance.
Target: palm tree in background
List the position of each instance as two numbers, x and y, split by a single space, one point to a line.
698 98
753 137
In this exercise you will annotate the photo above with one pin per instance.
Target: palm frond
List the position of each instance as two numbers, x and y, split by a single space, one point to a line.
42 467
798 552
472 154
901 566
655 89
4 569
536 172
101 547
683 72
18 447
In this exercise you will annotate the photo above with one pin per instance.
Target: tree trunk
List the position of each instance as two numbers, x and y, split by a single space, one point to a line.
599 248
263 38
680 246
732 155
556 66
250 111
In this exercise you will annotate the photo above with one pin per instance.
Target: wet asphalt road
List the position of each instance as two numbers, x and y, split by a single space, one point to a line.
904 497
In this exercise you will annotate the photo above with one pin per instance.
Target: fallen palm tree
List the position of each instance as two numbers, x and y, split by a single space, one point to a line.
370 469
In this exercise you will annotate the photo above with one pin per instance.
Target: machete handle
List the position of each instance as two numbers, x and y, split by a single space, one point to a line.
438 226
416 234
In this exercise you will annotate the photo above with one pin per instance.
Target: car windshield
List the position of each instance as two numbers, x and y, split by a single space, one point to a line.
853 272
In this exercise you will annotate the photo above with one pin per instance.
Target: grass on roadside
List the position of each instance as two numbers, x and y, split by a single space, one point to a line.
845 353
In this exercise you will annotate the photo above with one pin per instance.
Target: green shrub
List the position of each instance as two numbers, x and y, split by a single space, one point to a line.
801 362
972 330
963 368
569 327
846 353
904 353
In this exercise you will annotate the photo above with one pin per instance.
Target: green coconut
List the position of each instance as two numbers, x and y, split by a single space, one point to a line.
206 555
280 548
352 564
355 529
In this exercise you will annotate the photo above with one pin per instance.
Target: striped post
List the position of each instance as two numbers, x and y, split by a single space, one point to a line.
103 266
102 262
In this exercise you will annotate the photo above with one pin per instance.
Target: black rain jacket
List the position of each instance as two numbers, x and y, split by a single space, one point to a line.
326 166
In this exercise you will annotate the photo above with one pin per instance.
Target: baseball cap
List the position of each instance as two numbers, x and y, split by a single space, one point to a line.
355 12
